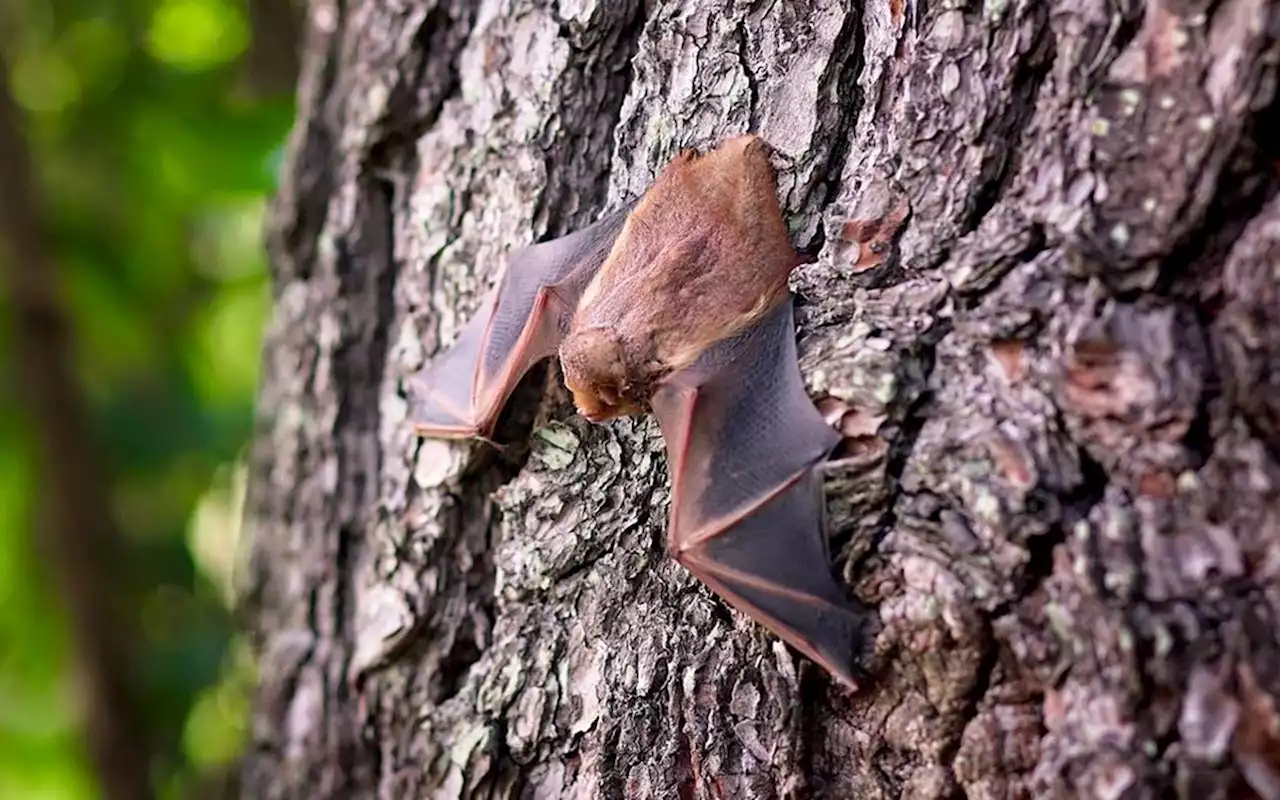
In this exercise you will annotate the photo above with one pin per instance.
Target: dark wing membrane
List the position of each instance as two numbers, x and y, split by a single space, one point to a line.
461 393
743 439
440 396
739 427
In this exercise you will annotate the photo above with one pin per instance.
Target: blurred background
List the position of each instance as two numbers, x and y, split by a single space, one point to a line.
154 131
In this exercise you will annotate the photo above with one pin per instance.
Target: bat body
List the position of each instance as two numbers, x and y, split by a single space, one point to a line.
679 306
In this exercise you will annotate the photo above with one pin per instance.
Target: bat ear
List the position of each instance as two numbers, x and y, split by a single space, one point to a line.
686 155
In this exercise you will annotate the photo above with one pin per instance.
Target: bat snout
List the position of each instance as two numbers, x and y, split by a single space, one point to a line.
595 416
601 404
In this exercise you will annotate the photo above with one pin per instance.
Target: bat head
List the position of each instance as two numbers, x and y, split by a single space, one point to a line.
595 370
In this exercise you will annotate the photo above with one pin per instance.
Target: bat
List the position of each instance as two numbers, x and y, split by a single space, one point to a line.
678 305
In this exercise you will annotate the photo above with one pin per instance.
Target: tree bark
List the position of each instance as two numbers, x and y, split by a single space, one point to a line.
1044 238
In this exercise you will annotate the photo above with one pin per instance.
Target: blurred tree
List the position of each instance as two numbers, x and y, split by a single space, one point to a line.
152 129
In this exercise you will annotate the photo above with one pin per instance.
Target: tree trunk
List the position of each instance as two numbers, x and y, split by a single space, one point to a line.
1044 282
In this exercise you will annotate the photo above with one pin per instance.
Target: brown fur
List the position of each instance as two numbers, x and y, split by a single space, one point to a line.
703 255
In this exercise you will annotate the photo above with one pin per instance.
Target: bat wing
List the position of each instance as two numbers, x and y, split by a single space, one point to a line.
742 441
461 393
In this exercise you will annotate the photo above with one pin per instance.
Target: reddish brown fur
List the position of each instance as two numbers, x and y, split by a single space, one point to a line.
703 255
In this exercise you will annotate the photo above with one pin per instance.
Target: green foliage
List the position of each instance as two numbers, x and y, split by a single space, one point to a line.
154 161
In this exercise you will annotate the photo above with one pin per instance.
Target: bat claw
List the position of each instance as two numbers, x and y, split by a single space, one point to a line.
501 448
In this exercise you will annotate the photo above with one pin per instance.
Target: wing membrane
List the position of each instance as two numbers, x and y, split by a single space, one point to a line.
461 393
743 440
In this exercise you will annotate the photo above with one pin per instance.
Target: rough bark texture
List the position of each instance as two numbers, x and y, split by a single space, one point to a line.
1045 241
